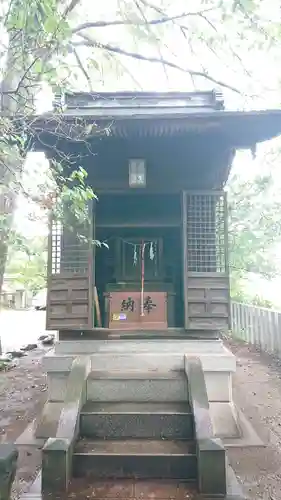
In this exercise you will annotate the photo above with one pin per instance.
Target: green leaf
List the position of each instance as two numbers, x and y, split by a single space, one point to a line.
38 66
50 24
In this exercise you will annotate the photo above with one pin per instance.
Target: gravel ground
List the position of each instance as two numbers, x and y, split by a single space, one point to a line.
22 395
257 391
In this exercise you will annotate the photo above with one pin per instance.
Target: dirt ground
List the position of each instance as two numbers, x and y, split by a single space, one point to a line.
22 395
257 391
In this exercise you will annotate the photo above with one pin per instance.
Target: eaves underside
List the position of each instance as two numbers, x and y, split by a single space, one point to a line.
238 129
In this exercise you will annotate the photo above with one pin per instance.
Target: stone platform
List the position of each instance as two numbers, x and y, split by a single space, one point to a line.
151 353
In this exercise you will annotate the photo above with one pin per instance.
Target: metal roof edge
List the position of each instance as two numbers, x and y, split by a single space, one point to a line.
86 100
180 114
240 129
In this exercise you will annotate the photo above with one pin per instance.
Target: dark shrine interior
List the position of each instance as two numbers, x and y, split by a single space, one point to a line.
124 222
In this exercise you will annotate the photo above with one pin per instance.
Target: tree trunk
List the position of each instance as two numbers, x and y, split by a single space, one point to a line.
15 98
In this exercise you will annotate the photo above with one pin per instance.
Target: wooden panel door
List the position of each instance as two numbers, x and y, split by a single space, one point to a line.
70 300
205 261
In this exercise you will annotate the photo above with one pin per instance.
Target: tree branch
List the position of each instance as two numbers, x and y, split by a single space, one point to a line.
89 42
136 82
80 64
160 11
235 55
156 39
22 79
70 8
254 21
128 22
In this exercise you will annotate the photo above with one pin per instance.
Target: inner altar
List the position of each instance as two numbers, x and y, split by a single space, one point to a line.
140 294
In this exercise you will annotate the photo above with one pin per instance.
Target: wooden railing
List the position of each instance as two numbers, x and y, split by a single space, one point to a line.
258 326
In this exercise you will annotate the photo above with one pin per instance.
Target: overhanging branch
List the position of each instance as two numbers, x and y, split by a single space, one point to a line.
69 8
195 13
90 42
128 22
82 68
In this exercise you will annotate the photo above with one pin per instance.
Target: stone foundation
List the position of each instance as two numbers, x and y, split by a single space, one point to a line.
163 355
127 355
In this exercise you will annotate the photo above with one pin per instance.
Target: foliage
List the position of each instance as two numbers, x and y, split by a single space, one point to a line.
71 192
238 295
27 263
254 226
261 302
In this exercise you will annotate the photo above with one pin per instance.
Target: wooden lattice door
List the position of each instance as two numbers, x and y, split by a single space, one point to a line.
71 274
205 261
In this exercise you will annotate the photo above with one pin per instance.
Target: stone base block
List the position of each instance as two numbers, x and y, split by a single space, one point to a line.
56 466
211 468
219 386
57 382
123 346
53 362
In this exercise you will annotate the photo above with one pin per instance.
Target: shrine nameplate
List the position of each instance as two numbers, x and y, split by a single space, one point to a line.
127 310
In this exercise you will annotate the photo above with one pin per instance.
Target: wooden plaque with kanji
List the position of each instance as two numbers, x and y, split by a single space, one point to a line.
125 310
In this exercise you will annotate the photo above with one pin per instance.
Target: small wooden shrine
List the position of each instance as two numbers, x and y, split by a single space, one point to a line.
158 164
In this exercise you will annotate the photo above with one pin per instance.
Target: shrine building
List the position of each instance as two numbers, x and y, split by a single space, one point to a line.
156 287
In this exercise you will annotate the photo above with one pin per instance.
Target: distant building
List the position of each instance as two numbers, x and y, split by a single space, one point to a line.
14 294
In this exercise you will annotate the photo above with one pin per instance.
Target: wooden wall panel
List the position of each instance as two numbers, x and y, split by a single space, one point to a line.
205 261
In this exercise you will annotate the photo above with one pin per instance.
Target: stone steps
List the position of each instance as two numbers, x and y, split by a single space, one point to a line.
136 424
139 458
137 386
136 420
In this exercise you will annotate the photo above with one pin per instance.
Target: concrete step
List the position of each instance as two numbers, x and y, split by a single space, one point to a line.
136 420
135 459
138 361
135 386
159 345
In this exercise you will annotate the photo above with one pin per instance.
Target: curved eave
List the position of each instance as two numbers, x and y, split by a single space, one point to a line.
243 129
239 129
